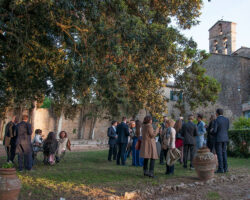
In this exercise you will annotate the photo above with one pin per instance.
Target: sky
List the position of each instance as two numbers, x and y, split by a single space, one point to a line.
237 11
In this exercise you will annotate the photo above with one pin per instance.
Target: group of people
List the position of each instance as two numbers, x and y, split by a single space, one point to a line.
143 138
18 141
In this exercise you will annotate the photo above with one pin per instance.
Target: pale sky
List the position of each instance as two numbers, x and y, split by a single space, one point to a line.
237 11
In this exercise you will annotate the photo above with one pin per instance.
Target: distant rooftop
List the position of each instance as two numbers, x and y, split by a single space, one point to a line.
221 21
243 52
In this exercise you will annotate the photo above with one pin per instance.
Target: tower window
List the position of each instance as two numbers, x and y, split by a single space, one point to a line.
225 45
215 47
220 29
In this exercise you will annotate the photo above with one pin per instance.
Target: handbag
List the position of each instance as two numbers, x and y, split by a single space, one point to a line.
138 145
172 156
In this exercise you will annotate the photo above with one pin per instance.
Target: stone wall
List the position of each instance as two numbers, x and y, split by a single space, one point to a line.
233 73
46 122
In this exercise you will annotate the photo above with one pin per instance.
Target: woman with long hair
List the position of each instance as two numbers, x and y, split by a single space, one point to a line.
179 138
63 140
148 146
50 146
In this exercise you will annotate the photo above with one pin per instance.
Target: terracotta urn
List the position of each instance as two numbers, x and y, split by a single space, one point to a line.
205 163
10 185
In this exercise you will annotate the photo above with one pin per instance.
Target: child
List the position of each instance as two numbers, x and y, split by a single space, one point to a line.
50 147
37 142
63 144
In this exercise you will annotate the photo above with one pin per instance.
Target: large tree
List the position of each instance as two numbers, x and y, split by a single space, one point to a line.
111 55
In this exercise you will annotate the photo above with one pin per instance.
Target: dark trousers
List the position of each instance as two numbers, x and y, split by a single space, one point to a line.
11 152
170 169
121 153
188 148
135 160
7 149
162 157
211 145
24 157
151 165
112 151
221 151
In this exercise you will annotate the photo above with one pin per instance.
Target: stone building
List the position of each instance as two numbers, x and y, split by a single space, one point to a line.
231 68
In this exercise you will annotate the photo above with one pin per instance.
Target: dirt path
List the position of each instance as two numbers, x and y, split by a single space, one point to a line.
232 186
237 190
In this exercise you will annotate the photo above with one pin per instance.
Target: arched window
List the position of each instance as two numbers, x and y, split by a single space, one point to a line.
215 46
220 29
225 45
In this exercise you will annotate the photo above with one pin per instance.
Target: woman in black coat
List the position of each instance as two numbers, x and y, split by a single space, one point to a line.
50 146
210 134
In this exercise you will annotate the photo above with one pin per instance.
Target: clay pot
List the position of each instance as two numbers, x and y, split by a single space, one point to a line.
10 185
205 163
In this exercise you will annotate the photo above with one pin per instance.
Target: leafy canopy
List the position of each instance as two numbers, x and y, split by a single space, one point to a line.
111 55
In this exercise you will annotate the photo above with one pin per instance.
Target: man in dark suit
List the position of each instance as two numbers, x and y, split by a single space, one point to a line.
188 132
122 141
221 127
112 140
9 140
23 144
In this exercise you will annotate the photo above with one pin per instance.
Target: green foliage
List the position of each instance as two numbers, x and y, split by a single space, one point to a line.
239 143
242 123
46 103
7 165
197 88
100 55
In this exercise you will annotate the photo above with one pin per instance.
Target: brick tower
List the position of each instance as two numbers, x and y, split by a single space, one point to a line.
222 38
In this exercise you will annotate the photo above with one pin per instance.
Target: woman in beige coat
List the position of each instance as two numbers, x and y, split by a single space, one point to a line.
170 144
148 146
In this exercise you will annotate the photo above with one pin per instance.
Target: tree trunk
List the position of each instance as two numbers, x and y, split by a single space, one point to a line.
59 127
82 124
92 128
32 114
1 129
18 112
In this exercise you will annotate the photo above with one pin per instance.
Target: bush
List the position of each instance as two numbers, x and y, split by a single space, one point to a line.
46 103
239 143
242 123
8 165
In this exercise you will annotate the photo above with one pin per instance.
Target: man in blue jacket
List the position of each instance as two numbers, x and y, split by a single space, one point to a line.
112 140
221 127
122 141
201 130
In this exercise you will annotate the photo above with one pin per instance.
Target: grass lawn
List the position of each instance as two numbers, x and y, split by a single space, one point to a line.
83 174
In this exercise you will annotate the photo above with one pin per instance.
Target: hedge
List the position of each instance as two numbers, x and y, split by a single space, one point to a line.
239 143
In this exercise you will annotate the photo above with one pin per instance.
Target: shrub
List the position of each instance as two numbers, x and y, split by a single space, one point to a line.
8 165
46 103
239 143
242 123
